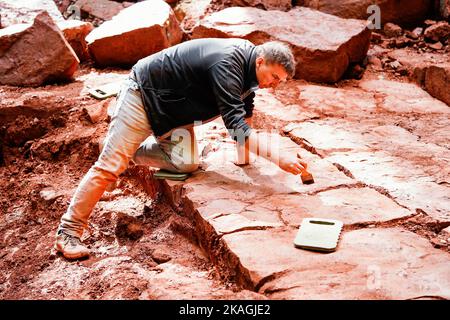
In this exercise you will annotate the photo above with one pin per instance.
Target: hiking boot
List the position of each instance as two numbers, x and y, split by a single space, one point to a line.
70 246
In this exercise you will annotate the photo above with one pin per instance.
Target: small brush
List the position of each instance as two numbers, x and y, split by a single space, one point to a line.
307 177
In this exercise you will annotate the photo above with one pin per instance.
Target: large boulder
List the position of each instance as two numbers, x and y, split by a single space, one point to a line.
31 55
323 45
75 32
437 81
189 12
136 32
397 11
24 11
102 9
283 5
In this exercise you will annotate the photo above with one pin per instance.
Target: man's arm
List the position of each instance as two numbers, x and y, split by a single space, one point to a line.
227 81
249 121
249 104
261 145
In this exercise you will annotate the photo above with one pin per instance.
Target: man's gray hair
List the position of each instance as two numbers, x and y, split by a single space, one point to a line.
279 53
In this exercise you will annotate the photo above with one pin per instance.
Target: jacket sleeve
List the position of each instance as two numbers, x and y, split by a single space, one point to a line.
249 105
226 80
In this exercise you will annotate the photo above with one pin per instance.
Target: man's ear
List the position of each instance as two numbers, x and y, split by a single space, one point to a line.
259 61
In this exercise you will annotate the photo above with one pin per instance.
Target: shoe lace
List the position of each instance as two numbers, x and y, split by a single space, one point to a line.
71 240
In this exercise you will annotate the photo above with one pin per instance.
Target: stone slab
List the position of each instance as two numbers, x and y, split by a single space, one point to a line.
406 167
407 183
261 177
401 97
368 264
349 205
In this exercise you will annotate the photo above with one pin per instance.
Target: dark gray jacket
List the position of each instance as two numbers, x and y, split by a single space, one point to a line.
199 80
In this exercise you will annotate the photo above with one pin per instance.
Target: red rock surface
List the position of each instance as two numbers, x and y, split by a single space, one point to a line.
369 264
323 45
349 205
102 9
397 11
429 70
36 54
189 12
248 226
75 32
388 155
136 32
283 5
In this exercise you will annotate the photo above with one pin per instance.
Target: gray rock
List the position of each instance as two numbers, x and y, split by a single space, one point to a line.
392 30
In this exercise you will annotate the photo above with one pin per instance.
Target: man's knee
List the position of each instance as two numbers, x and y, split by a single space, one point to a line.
105 173
110 167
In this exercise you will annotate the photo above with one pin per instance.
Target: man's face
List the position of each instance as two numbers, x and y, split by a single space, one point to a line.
269 75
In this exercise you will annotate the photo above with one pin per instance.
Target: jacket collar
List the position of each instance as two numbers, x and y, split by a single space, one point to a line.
251 82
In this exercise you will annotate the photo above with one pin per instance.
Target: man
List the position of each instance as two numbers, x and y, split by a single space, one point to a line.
197 80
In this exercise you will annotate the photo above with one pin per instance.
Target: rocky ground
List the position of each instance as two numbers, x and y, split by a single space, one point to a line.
377 143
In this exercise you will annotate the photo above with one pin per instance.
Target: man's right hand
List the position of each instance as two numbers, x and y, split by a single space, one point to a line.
292 163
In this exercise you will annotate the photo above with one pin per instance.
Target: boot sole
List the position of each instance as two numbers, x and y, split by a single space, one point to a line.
70 256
